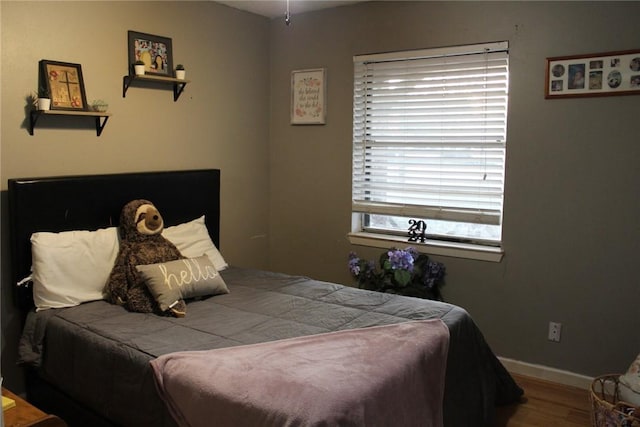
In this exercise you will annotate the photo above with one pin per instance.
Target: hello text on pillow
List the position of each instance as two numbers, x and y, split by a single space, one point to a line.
187 278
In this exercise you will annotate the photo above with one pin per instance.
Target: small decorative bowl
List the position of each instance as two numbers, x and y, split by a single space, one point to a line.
100 106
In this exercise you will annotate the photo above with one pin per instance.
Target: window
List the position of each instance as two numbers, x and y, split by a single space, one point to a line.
429 136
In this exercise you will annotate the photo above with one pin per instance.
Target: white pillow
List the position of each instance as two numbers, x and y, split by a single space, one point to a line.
192 240
630 383
628 395
71 267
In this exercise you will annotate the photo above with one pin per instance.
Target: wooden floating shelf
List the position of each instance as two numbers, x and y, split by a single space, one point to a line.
100 117
178 84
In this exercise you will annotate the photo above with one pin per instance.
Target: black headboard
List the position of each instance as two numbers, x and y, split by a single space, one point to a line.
90 202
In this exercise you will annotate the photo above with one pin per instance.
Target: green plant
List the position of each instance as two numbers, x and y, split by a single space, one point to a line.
43 90
99 105
179 67
32 99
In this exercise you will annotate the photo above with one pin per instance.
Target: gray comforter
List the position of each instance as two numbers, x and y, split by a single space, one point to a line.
99 354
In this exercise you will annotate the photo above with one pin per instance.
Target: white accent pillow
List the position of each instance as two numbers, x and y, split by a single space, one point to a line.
71 267
192 240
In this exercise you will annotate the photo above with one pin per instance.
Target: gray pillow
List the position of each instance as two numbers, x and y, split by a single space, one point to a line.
186 278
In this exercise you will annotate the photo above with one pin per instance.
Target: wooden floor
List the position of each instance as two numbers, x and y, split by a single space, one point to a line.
546 404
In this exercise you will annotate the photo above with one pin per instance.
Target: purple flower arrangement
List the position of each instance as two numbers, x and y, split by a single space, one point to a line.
401 271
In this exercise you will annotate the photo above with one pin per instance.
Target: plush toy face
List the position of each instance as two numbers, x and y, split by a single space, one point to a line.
148 220
140 220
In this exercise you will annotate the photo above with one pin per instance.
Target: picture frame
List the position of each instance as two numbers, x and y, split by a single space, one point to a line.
155 51
64 84
308 97
599 74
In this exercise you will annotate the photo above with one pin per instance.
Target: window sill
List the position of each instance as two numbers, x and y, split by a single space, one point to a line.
430 247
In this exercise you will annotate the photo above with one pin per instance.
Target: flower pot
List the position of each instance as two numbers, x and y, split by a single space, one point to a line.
44 103
180 74
139 70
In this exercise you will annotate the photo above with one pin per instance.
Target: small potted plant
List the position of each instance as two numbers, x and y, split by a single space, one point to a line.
43 102
99 106
180 72
139 67
32 101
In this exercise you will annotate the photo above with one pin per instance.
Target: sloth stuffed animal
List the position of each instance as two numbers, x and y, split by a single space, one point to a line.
141 243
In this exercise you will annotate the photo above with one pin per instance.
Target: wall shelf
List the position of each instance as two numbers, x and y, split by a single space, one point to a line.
178 84
101 118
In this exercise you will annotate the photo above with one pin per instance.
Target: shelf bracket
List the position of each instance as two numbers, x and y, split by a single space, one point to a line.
126 82
33 118
177 90
101 124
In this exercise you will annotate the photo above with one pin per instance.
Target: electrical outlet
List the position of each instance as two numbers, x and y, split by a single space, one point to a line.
554 331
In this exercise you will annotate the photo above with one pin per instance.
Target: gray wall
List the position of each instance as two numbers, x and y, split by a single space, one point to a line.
220 121
571 205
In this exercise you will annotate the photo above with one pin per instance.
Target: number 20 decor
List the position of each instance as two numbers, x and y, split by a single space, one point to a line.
417 229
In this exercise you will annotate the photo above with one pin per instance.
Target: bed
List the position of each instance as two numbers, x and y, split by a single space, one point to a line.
97 364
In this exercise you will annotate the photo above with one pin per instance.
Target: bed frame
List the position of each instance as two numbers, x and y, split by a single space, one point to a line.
90 202
87 203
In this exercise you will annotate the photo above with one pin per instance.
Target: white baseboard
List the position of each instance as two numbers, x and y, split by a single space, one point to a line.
547 373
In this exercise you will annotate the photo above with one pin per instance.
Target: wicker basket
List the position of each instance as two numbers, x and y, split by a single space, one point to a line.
607 410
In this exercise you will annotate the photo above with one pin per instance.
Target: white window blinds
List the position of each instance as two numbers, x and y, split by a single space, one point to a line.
429 133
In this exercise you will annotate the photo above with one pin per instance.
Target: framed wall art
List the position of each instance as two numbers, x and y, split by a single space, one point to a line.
308 97
155 51
64 84
601 74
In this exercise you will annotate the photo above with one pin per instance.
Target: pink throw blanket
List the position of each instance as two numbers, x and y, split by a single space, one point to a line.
377 376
